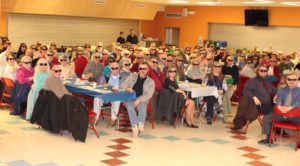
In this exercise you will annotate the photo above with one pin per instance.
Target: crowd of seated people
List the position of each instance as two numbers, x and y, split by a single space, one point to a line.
148 72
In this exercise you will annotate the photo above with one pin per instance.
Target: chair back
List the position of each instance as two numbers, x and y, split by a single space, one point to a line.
7 82
242 82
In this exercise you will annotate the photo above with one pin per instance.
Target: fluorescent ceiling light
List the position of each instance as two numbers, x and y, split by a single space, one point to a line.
258 2
207 3
291 3
178 1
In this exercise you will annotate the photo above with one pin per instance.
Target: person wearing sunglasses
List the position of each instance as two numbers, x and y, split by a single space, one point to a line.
21 50
24 80
247 70
172 100
11 67
93 70
80 62
125 71
288 99
143 86
6 44
241 61
125 55
53 83
258 95
138 60
194 74
66 70
216 79
273 72
180 68
53 46
51 58
283 64
41 72
231 74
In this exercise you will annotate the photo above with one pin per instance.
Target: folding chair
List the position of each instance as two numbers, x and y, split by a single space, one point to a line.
285 125
259 120
8 84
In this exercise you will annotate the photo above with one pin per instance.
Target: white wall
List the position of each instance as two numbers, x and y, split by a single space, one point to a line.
65 30
240 36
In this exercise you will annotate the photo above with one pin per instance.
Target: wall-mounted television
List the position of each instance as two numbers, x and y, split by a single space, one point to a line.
256 17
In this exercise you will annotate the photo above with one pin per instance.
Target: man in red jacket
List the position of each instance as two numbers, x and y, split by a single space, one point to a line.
158 77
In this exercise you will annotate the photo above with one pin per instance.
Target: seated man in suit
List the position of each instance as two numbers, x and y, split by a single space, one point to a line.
288 99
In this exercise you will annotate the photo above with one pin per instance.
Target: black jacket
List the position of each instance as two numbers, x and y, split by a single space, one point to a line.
132 39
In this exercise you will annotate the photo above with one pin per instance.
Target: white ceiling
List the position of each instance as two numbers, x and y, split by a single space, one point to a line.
285 3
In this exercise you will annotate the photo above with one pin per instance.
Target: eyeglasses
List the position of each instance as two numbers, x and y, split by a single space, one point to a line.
179 60
217 66
142 69
290 79
155 62
43 64
127 64
99 46
114 68
283 59
57 71
110 61
104 54
97 57
172 71
27 62
24 46
229 60
8 43
209 59
53 45
126 54
272 61
169 60
49 54
263 71
195 64
249 63
62 60
160 53
11 59
147 54
139 57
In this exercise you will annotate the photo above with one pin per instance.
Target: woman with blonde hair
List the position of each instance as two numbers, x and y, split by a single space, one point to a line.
42 70
11 67
67 71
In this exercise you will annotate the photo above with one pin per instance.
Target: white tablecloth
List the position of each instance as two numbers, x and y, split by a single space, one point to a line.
198 90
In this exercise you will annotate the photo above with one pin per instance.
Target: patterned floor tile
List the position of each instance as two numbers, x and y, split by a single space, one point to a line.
14 122
239 137
253 156
119 147
196 140
47 164
102 133
147 136
258 163
18 163
116 154
29 128
274 145
121 140
248 149
4 132
171 138
113 162
220 141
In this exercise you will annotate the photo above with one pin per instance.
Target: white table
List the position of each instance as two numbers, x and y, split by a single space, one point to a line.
198 90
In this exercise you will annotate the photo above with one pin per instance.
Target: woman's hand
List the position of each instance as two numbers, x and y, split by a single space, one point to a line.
256 101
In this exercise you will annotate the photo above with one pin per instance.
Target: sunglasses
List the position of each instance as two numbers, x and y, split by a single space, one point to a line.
62 60
27 62
139 57
53 45
164 59
155 62
179 60
44 49
283 59
160 53
126 54
142 69
43 64
127 64
24 46
49 54
249 63
110 61
169 60
263 71
272 61
104 54
114 68
8 43
10 59
147 54
99 46
209 59
229 60
172 71
57 71
217 66
195 64
97 57
290 79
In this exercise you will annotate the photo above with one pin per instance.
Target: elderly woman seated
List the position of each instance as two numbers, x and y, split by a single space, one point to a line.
172 100
54 84
11 67
42 71
66 70
194 74
93 69
24 80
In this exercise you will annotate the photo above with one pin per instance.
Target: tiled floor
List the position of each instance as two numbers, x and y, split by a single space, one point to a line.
24 144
